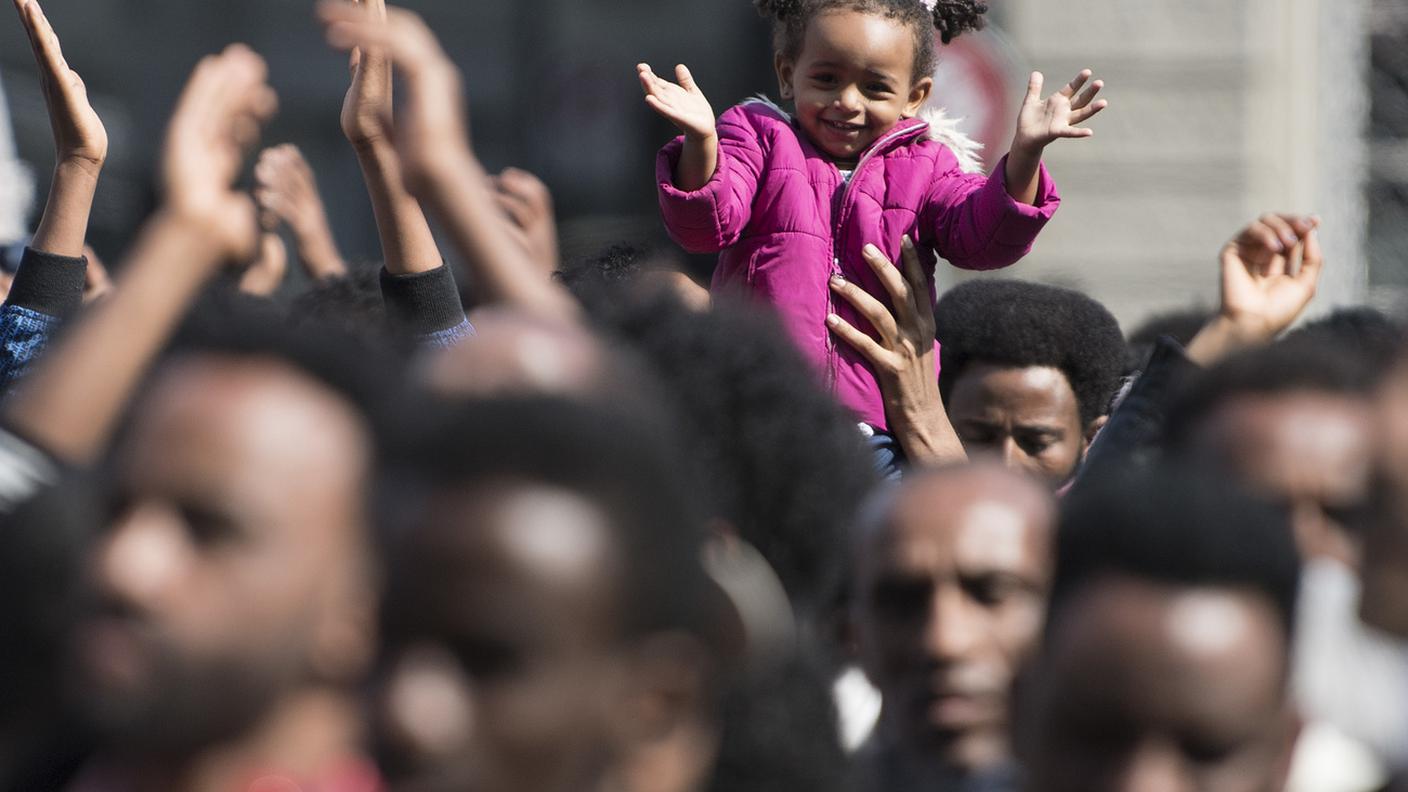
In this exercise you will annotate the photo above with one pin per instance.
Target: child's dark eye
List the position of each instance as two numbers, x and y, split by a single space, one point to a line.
824 79
878 88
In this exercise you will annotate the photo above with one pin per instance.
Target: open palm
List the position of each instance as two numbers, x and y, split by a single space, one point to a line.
683 104
1042 121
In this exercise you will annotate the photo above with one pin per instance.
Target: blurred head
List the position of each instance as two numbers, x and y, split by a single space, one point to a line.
950 588
1385 570
1027 372
1294 423
854 68
782 462
1165 663
545 606
234 570
512 352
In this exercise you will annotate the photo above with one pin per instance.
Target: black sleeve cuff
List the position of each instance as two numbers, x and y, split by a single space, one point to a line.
49 284
422 303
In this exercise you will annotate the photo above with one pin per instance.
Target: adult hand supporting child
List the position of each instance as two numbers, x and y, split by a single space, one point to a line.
71 403
903 355
80 140
685 106
440 167
1270 271
1042 122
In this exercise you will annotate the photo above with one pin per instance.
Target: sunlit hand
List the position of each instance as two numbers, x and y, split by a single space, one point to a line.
1270 272
1043 121
684 105
79 136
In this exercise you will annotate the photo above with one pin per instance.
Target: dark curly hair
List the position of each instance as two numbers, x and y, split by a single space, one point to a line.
949 19
781 460
1021 324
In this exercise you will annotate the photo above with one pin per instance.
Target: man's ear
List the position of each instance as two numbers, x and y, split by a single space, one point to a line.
1092 431
918 95
785 70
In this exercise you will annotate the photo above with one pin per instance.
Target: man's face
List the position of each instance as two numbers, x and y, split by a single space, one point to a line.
1142 686
1385 572
1026 417
1312 452
504 654
951 591
230 570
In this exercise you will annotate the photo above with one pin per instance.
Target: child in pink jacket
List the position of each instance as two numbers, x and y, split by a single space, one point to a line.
793 200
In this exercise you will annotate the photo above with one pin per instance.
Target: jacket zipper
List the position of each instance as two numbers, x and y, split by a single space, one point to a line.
831 356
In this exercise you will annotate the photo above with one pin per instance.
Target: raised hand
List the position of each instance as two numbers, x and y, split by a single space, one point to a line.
367 109
218 118
286 188
266 273
1270 271
433 123
79 136
528 203
684 104
903 355
1043 121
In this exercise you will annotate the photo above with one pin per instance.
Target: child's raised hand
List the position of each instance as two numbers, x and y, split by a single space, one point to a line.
1043 121
684 104
79 136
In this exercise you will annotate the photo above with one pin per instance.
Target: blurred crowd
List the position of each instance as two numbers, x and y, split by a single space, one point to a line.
473 517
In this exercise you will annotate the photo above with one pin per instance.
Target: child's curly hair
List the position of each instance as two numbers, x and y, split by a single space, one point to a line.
949 17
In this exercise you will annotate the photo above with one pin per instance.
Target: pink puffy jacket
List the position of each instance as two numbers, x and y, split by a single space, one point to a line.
786 220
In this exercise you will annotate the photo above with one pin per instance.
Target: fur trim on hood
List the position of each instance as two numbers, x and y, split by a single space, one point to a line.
942 129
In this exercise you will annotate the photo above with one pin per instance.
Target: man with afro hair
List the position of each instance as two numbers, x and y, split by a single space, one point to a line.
1027 372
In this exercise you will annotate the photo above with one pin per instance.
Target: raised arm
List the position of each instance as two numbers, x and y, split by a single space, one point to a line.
685 106
71 403
80 141
440 167
407 244
902 354
1042 122
1269 274
49 285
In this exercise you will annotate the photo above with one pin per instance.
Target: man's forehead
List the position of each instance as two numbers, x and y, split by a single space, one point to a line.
986 515
256 419
552 534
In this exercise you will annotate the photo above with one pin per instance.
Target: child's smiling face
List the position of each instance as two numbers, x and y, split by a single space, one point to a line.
853 81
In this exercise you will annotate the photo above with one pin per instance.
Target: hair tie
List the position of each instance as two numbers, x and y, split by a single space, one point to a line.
930 5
